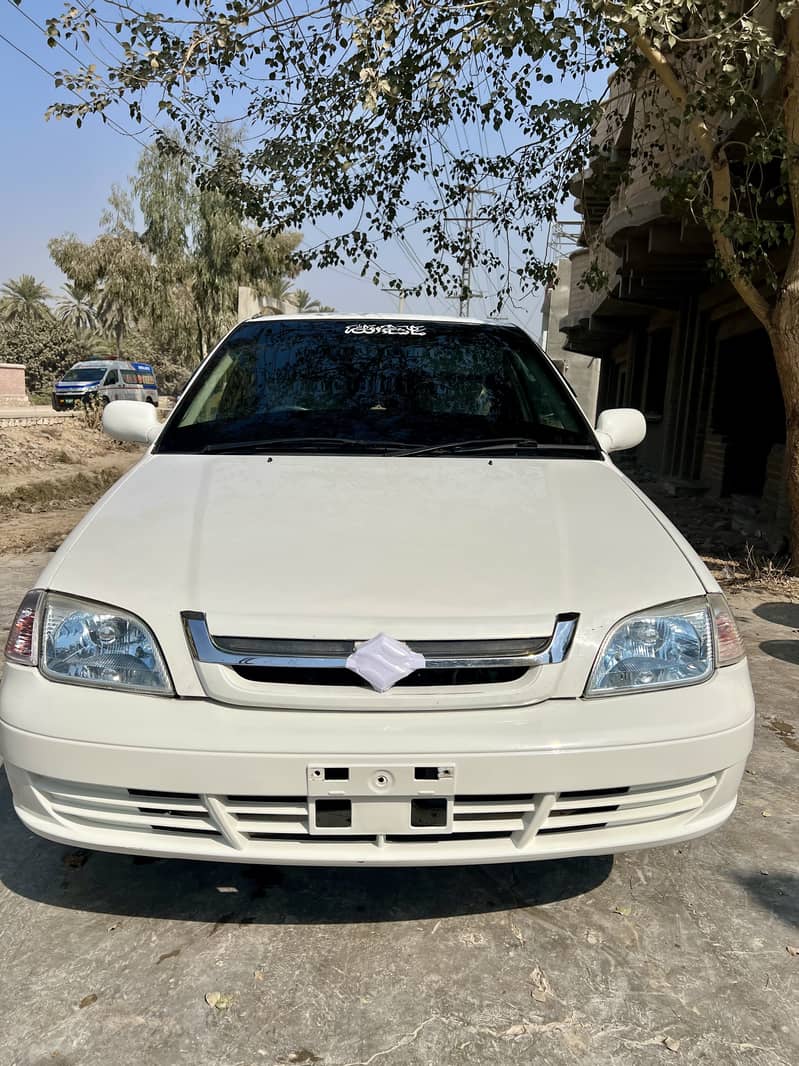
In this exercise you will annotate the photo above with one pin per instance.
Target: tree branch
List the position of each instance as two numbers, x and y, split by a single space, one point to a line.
721 180
790 105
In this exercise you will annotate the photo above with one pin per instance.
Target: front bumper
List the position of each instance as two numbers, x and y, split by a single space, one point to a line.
557 779
68 401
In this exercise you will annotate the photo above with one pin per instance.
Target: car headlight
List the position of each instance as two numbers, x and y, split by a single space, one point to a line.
86 643
661 648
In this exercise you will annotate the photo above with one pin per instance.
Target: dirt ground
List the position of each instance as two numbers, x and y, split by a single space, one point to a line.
49 476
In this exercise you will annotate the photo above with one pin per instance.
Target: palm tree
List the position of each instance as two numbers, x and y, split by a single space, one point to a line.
303 301
22 299
278 295
76 308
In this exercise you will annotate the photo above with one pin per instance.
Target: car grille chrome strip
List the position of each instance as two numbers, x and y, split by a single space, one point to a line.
333 655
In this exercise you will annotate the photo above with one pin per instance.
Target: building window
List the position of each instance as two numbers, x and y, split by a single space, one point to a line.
657 370
621 390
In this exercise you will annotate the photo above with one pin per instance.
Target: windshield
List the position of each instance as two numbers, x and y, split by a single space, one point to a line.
344 385
84 373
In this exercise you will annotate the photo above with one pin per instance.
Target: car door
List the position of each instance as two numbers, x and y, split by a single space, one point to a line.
131 387
111 389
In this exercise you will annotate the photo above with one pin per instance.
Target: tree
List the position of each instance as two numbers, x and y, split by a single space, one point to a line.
393 115
305 303
202 248
115 266
23 299
45 346
278 295
76 308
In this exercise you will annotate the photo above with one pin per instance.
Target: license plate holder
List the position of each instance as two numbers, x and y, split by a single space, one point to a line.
351 799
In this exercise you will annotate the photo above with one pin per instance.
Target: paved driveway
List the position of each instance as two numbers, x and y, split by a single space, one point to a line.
673 955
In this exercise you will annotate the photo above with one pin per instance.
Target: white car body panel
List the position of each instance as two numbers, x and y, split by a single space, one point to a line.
375 544
332 547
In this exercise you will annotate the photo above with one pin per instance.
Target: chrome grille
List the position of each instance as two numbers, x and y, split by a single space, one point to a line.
295 656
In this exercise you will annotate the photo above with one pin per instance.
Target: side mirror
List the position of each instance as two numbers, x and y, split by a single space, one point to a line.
620 428
131 420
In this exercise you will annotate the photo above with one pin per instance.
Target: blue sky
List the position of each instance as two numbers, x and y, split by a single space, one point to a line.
56 178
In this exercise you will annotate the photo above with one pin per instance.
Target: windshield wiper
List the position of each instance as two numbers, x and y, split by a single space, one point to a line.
496 444
484 444
266 444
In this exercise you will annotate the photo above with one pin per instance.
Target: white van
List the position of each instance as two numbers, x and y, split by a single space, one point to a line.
104 380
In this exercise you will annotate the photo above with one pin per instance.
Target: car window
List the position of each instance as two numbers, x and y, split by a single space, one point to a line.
84 373
130 377
112 379
406 383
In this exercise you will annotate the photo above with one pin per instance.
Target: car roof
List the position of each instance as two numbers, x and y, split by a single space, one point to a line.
110 362
384 316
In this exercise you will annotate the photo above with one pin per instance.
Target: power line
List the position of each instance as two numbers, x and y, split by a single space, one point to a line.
114 125
63 48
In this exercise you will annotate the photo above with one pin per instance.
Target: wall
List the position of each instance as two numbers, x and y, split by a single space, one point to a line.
12 385
581 371
250 303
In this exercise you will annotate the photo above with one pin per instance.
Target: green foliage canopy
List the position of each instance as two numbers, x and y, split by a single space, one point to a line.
46 348
352 109
23 300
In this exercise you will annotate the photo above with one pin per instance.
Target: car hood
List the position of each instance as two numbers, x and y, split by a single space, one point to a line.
346 547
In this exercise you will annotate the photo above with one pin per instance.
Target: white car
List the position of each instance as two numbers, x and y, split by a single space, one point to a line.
375 595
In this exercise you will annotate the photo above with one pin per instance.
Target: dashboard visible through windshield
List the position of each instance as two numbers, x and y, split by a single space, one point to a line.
378 387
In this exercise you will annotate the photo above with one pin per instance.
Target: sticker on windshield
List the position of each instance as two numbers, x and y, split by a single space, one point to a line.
387 329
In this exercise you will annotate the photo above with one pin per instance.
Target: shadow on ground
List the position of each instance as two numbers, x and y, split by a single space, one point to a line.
786 650
776 892
227 893
782 614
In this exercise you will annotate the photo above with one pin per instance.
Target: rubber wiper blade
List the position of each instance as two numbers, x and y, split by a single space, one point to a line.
485 444
264 444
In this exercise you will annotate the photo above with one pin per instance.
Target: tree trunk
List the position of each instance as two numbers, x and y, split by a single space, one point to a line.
784 334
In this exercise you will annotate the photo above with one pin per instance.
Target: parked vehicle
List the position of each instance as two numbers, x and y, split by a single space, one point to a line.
404 610
104 380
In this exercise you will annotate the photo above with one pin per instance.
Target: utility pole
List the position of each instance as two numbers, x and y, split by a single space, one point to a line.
400 299
466 267
465 295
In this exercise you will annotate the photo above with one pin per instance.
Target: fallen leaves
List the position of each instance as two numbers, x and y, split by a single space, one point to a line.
219 1000
624 909
792 950
670 1043
541 990
520 1029
87 1001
